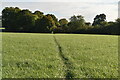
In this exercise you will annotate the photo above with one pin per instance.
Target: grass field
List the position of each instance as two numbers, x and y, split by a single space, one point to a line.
2 28
30 55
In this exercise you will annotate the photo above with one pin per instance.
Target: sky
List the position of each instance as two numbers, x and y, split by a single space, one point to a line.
119 9
67 8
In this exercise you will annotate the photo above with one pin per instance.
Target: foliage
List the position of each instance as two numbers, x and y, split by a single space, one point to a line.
54 19
44 24
98 19
10 18
39 14
64 24
76 22
17 20
26 21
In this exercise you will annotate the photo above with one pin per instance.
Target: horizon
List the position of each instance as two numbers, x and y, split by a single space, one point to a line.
68 9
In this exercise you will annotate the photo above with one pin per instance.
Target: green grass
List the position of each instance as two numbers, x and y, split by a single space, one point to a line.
0 56
33 55
2 28
91 55
29 55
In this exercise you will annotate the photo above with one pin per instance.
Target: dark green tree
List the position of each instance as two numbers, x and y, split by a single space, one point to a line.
39 14
54 19
116 27
63 21
99 19
64 24
76 23
10 18
26 21
45 24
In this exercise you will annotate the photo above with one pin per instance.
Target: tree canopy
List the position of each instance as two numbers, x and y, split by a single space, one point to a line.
15 19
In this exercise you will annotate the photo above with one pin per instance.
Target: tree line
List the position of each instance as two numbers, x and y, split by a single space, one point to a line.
15 19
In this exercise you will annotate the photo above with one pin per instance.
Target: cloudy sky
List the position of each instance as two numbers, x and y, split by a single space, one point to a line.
66 8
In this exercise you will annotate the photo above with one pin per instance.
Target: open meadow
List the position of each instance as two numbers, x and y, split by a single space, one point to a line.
34 55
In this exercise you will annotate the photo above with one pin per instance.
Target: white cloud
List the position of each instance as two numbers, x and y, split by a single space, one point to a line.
119 9
60 1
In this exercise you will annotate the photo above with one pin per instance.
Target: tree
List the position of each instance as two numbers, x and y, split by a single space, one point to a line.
10 18
63 21
99 19
63 24
118 20
117 26
76 23
39 14
54 19
26 21
0 21
45 24
15 19
88 23
25 12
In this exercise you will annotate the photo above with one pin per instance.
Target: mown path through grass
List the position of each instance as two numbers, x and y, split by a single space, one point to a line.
66 61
